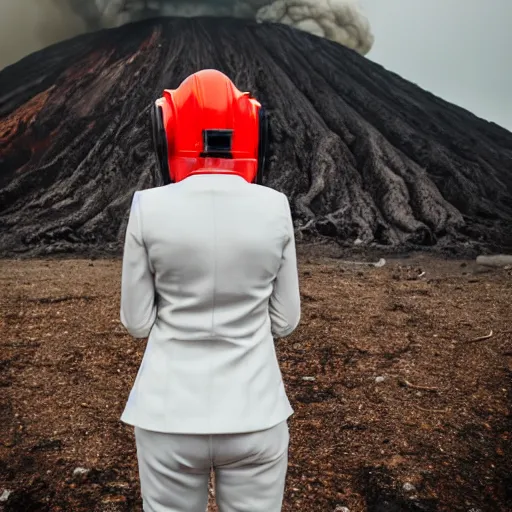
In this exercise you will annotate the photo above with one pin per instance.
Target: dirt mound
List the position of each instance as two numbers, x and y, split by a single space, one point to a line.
364 155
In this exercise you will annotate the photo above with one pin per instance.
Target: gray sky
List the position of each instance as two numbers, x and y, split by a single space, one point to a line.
460 50
26 26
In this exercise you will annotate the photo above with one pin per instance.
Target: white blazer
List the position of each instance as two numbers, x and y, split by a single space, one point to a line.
210 275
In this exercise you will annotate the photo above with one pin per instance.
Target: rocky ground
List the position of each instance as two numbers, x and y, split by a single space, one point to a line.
400 403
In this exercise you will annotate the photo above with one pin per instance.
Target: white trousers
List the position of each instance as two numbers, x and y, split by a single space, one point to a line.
250 470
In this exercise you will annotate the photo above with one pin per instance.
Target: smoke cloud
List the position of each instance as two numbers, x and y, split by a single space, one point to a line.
29 25
342 21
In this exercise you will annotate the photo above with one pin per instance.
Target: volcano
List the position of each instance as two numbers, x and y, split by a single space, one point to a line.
366 158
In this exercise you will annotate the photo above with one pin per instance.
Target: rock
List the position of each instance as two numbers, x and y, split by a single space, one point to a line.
5 495
380 379
80 472
339 508
379 263
310 379
497 260
408 487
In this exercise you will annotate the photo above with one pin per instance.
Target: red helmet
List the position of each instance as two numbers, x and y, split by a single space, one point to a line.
208 126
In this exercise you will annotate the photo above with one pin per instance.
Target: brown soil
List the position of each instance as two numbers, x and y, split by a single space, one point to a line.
440 420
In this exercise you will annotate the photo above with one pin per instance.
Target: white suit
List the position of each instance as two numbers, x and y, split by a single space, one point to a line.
210 275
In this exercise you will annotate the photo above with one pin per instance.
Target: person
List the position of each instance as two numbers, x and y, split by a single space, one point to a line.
209 274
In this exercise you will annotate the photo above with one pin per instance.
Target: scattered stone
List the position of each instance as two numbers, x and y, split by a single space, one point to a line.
380 379
408 487
80 472
310 379
497 260
5 495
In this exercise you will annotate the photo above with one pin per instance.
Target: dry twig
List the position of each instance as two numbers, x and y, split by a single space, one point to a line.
406 383
480 338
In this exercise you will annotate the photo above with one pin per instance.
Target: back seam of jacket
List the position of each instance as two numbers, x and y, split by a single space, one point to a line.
214 287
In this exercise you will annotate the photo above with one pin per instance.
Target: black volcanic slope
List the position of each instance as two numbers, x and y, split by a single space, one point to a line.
360 152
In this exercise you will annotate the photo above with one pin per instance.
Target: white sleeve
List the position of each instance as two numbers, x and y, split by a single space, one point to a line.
138 307
284 307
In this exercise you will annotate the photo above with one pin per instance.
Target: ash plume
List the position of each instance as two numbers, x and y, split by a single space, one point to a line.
30 25
339 20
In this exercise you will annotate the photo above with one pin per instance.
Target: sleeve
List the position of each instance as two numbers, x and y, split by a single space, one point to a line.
138 307
284 307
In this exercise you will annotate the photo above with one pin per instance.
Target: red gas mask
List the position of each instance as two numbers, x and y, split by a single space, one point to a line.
208 126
